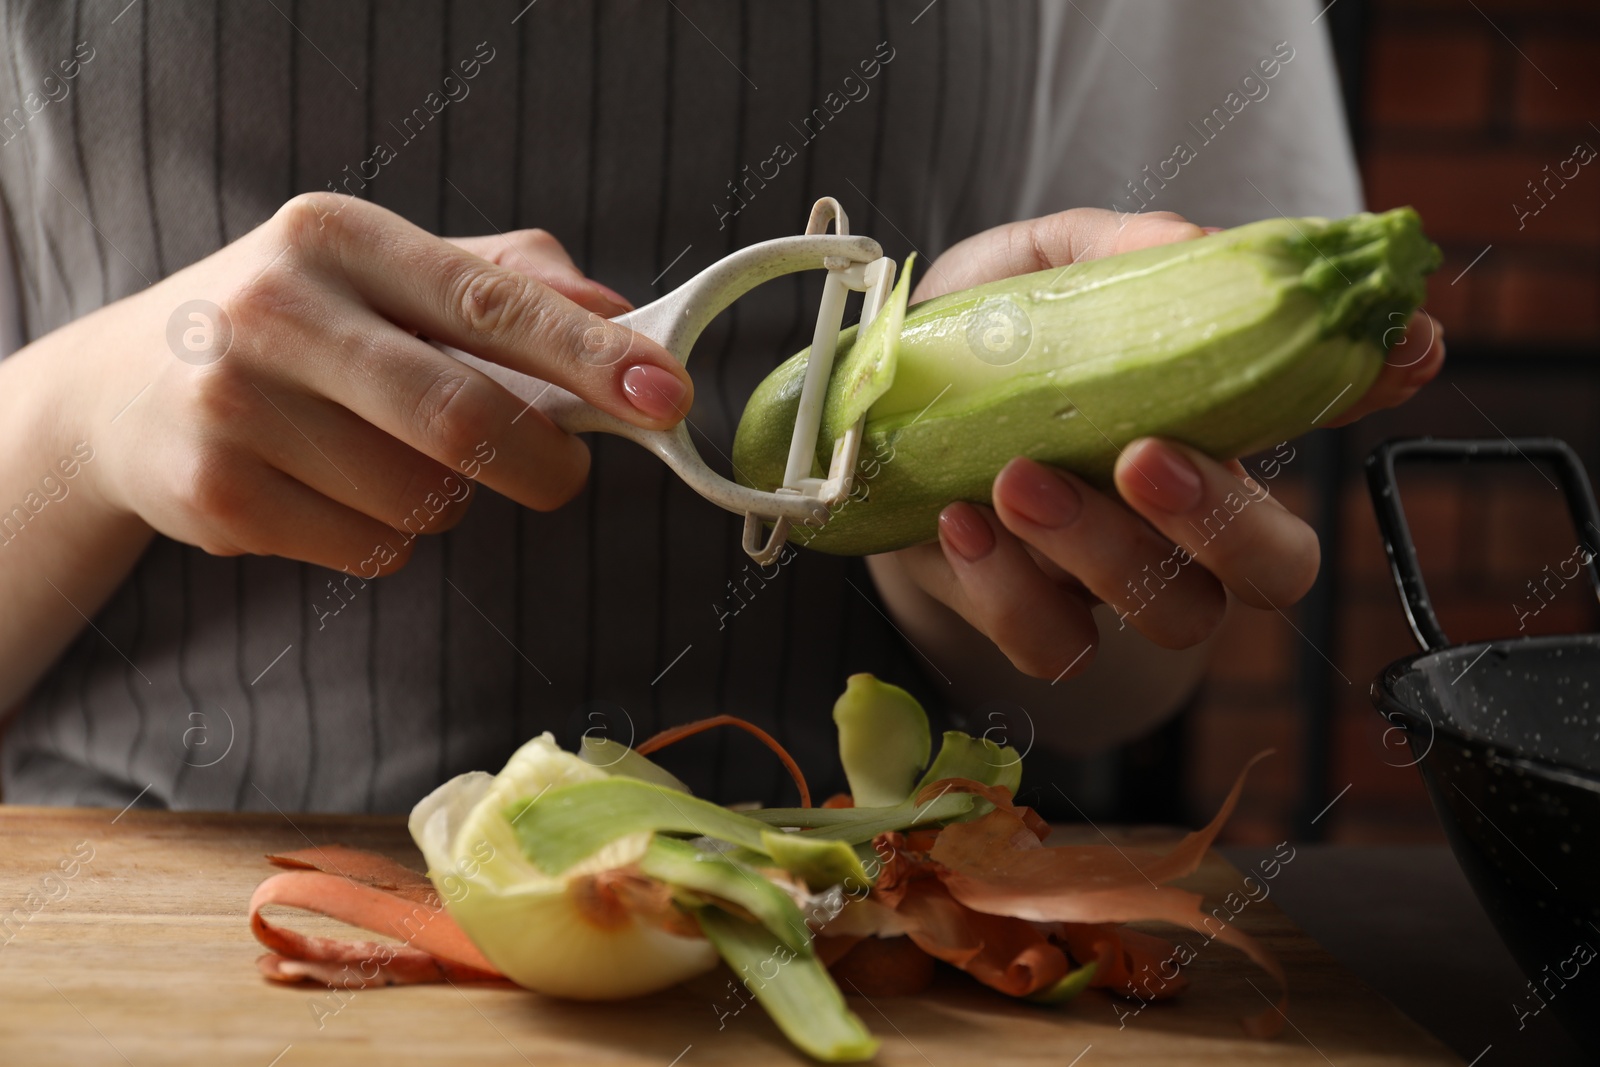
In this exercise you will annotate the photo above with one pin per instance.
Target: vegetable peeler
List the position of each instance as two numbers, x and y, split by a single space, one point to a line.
853 263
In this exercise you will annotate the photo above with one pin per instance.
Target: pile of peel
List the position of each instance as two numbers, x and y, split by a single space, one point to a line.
597 875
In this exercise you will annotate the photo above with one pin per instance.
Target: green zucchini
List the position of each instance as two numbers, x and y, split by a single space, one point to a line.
1229 342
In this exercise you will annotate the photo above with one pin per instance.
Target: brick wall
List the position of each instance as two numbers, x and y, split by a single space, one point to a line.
1465 107
1462 108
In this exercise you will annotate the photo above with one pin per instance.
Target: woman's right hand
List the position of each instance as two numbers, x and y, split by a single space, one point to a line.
313 419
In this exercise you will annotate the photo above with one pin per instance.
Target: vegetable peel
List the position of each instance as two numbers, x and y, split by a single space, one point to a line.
601 878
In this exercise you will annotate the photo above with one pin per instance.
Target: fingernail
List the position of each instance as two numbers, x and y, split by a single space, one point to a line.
964 530
1165 478
1043 497
654 391
1209 230
612 295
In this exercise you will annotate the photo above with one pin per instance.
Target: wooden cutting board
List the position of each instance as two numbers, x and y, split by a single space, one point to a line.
142 955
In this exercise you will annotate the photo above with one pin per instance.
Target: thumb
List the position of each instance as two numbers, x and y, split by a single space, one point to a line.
1049 241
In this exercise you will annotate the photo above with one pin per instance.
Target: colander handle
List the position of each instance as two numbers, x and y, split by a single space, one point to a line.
1402 551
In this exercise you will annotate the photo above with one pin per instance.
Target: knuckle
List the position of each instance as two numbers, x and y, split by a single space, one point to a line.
602 343
1048 242
490 301
212 486
253 307
452 414
540 240
534 253
1062 225
1146 228
314 222
431 501
368 353
222 395
1075 234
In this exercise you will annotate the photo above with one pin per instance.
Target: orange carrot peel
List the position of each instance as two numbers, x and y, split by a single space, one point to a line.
374 893
678 733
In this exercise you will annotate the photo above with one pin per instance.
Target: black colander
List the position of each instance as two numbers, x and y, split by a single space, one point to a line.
1506 734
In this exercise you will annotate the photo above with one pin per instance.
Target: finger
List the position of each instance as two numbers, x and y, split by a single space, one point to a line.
1237 469
991 581
1414 360
1051 241
267 513
1267 556
1111 551
539 255
438 406
420 282
345 458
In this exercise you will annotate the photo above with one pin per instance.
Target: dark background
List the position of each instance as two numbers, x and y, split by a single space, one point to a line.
1455 107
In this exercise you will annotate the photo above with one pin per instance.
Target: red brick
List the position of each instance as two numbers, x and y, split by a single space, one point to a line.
1224 737
1547 8
1456 295
1430 79
1434 514
1433 508
1474 196
1293 492
1372 633
1560 201
1505 537
1525 526
1568 104
1468 617
1541 304
1363 560
1373 756
1388 800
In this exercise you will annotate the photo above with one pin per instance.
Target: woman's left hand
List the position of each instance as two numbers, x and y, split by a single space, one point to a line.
1183 529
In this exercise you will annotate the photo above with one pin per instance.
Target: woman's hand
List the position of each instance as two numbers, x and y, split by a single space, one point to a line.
311 418
1027 571
284 397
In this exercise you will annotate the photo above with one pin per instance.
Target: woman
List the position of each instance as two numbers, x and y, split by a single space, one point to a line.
238 374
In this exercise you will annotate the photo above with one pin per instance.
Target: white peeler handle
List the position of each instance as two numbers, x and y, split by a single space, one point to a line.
675 322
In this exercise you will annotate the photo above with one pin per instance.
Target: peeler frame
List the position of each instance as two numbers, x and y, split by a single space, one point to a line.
676 321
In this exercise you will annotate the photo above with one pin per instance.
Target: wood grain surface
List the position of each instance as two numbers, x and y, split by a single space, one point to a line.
142 955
